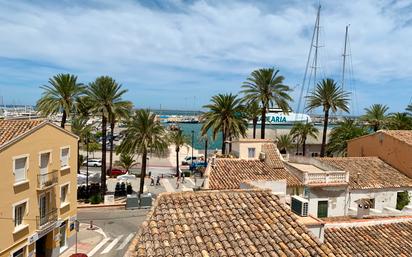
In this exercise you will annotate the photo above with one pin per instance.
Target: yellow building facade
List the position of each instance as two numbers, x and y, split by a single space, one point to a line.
38 188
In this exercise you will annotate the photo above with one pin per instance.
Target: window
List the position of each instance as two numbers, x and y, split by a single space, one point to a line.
63 193
19 212
19 253
44 162
64 157
62 229
20 169
251 152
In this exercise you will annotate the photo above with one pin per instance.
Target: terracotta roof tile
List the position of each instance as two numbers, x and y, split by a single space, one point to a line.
10 129
391 239
225 223
230 173
401 135
374 173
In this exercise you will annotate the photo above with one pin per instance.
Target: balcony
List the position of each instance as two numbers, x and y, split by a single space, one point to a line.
326 177
46 220
47 180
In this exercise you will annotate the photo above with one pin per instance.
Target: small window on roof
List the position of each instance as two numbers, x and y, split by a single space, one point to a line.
251 152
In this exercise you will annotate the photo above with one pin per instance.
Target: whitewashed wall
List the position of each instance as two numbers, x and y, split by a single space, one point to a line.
383 197
336 201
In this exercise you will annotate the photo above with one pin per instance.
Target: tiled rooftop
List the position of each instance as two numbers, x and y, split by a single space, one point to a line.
402 135
225 223
10 129
386 239
373 172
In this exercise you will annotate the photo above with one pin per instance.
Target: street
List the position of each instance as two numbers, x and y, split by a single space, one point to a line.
119 225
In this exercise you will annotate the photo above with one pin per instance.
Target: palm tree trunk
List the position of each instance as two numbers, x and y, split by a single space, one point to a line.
230 144
223 142
143 172
111 146
64 118
177 161
325 129
206 150
255 120
103 173
304 146
297 148
262 129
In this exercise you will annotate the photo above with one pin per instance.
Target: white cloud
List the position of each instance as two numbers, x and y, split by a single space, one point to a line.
199 47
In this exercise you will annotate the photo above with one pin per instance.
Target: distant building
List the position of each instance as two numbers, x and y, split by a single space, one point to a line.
392 146
38 203
226 223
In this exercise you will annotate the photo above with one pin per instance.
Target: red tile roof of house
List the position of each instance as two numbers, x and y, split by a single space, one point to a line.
402 135
386 239
230 173
373 172
10 129
225 223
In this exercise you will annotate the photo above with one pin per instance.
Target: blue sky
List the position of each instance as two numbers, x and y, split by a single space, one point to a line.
179 53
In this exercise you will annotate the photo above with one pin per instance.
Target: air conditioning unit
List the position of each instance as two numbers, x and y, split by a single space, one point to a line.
262 156
300 206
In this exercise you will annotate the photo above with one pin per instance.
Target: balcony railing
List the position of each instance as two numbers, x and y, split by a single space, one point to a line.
47 219
47 180
327 177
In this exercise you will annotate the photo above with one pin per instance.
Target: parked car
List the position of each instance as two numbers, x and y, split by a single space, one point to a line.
116 172
196 165
93 163
188 159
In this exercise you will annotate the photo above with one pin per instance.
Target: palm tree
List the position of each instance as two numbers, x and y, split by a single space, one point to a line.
400 121
409 109
266 86
104 94
253 112
344 131
375 116
178 139
226 114
60 96
285 143
144 134
120 110
331 98
301 131
126 162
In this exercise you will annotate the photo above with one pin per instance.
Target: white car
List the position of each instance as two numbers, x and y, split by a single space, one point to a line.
126 177
93 163
188 159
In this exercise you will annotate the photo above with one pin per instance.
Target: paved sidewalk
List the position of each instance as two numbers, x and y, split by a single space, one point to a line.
86 240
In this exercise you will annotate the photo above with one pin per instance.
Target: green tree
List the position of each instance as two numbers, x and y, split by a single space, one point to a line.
226 114
400 121
266 86
144 134
409 109
375 116
126 161
253 112
344 131
120 110
331 98
284 143
301 131
178 139
104 94
60 96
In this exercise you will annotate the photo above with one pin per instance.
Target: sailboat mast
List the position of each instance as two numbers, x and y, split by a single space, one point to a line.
316 46
344 57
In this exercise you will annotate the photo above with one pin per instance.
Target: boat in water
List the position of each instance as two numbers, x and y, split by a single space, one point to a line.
275 116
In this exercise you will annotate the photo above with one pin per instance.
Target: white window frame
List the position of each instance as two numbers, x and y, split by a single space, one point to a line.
25 180
50 152
24 247
66 202
26 212
68 157
248 152
65 246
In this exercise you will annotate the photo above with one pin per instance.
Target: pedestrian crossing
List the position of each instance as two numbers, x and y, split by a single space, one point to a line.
107 245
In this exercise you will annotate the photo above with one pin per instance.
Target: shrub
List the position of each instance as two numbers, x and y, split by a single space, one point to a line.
187 173
402 200
129 189
96 199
